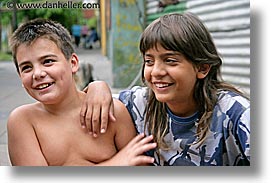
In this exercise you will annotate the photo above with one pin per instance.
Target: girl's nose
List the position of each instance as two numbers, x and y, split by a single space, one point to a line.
158 69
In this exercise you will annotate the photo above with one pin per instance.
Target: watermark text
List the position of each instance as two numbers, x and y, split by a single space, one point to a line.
49 5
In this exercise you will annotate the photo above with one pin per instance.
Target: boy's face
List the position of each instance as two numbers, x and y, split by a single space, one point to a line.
45 73
172 78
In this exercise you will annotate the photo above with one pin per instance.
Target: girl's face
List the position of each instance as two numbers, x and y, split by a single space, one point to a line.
44 71
172 78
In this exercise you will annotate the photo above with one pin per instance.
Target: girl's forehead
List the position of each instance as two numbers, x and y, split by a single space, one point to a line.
157 47
160 49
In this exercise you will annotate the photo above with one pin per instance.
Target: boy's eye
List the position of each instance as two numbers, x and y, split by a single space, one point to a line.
48 61
25 68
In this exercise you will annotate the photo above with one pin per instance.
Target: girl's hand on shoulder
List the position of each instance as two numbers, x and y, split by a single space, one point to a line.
97 108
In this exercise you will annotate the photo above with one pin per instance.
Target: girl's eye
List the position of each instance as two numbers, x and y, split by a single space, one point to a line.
148 62
171 61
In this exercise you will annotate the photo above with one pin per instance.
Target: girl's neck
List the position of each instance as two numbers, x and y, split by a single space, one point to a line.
183 109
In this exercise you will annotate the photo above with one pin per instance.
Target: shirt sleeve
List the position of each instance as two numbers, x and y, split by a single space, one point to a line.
135 101
237 128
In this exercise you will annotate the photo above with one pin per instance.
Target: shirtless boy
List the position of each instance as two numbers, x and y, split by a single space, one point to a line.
47 132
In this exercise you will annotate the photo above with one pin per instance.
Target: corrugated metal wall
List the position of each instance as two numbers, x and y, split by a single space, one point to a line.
229 24
153 10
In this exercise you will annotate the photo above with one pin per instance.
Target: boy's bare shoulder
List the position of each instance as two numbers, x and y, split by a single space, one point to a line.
24 112
122 115
120 110
124 127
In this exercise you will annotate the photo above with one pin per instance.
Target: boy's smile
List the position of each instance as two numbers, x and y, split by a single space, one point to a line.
43 86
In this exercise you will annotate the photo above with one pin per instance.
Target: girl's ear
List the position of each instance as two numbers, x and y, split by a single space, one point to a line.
203 71
74 63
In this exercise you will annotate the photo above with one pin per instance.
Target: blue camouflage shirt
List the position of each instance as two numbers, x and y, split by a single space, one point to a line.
227 143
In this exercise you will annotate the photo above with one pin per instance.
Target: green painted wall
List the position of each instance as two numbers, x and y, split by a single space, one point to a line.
124 34
177 8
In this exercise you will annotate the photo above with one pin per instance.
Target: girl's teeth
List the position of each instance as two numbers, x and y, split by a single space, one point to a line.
161 85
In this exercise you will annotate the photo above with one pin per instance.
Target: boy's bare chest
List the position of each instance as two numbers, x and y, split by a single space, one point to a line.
64 142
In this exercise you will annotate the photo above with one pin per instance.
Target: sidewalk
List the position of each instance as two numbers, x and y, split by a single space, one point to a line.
102 69
12 94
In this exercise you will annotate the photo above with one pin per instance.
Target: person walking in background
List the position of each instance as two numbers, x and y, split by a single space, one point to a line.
76 32
92 38
84 31
196 118
84 34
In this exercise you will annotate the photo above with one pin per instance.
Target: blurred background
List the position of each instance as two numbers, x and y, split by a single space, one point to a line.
119 24
106 36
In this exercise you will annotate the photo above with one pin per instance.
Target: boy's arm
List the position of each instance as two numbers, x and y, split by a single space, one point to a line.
23 146
97 109
125 129
131 147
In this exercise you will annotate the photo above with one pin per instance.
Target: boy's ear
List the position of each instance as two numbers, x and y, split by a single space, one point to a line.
74 63
203 71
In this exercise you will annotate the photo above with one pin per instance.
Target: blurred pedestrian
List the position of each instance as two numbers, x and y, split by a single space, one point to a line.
92 38
76 32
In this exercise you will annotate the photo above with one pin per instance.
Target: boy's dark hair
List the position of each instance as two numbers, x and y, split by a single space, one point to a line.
30 31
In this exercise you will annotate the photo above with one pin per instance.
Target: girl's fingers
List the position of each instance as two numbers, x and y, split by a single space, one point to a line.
104 119
112 112
88 117
83 114
95 120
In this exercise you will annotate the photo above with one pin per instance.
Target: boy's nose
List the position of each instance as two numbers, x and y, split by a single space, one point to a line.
38 73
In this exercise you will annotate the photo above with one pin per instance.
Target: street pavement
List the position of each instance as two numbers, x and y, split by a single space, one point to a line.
12 94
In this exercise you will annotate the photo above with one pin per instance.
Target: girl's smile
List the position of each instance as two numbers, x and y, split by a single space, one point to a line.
172 78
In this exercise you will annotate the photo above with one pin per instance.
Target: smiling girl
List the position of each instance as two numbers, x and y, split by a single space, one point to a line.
195 117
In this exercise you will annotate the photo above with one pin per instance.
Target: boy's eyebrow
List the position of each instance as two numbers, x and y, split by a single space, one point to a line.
41 58
23 63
